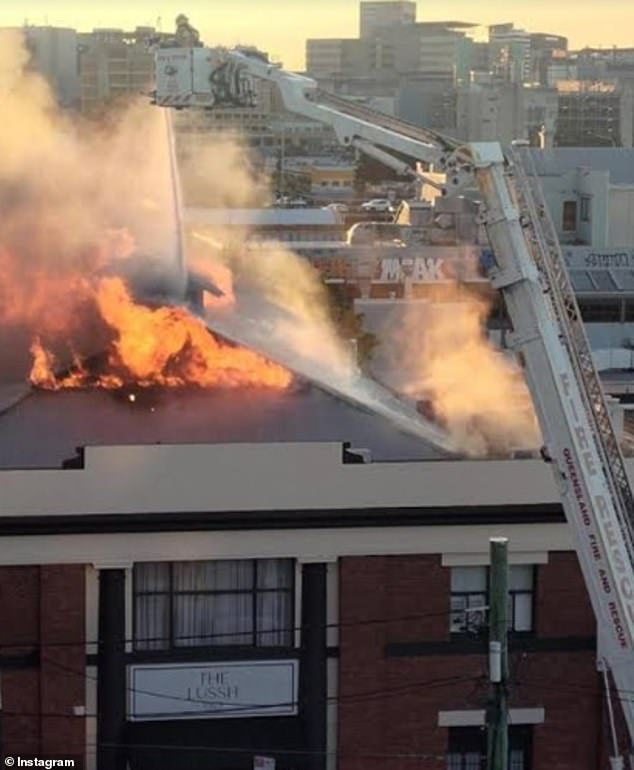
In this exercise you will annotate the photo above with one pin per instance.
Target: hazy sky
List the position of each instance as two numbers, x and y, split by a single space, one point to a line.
281 26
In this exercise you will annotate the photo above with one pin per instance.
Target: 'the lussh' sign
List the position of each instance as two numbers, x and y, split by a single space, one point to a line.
204 691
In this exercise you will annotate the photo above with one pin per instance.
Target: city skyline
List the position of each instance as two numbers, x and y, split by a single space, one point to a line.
282 26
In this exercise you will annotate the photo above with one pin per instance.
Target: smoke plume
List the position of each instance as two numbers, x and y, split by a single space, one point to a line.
265 279
90 218
474 390
88 208
77 198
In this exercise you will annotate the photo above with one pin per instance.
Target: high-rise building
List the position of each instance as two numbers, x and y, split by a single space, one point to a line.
428 102
373 15
544 50
445 49
114 63
510 52
490 110
594 114
326 57
54 54
432 49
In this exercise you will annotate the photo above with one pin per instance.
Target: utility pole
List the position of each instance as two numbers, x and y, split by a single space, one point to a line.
497 712
282 159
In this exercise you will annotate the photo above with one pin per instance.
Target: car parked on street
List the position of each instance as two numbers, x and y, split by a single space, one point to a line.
378 204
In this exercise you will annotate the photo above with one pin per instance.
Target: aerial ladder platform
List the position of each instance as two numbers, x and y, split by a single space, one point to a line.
527 266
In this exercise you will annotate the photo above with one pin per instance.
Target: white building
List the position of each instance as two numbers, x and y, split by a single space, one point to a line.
590 192
488 110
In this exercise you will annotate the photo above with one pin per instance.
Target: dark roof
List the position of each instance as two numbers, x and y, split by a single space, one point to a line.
45 428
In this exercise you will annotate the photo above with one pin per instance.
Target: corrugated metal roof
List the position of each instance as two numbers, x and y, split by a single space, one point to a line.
602 281
617 161
581 281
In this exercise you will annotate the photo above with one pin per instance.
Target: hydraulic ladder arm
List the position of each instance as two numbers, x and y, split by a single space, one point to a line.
550 339
528 268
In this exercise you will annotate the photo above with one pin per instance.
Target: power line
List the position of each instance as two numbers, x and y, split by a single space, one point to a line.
251 633
583 691
237 708
369 695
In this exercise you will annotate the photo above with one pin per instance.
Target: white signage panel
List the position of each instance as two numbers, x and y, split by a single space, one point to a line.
213 690
173 73
263 763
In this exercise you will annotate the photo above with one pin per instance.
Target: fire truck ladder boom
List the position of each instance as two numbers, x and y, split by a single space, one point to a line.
527 266
549 336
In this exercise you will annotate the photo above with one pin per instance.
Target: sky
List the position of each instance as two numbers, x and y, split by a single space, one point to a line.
282 26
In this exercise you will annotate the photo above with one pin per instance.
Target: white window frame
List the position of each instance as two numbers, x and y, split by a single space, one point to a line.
478 596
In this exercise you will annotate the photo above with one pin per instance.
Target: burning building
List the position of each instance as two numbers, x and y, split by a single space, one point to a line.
215 577
202 564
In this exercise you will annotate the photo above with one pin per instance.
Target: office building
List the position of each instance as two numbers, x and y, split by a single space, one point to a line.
594 114
373 15
54 54
114 64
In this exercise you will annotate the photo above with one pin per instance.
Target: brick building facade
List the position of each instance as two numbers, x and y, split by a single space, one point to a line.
119 599
43 660
428 672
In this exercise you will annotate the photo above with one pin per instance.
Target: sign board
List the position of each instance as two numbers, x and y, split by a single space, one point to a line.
433 265
213 690
588 258
263 763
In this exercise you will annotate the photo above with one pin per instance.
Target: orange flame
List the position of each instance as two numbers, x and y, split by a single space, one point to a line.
163 347
43 366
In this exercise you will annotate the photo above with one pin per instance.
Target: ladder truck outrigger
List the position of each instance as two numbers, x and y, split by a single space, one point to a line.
527 266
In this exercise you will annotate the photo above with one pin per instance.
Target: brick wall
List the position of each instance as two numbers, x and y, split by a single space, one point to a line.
389 705
41 640
562 604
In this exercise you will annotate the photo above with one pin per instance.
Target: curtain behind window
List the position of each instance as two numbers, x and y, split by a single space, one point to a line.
225 602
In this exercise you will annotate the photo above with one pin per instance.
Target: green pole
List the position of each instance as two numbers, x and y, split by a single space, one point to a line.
497 713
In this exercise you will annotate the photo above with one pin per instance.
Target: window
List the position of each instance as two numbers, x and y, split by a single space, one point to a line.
584 213
469 590
213 603
467 748
600 310
521 584
569 219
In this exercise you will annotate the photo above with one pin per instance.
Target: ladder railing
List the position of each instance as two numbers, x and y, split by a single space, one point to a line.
543 243
384 121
